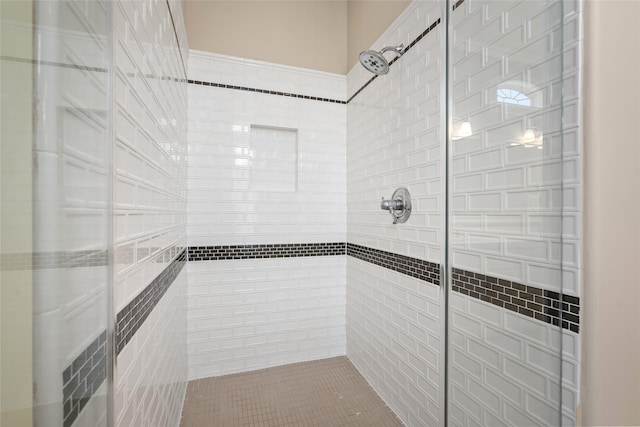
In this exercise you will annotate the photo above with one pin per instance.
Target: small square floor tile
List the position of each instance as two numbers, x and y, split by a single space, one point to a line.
321 393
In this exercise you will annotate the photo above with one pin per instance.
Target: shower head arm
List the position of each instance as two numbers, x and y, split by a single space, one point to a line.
398 50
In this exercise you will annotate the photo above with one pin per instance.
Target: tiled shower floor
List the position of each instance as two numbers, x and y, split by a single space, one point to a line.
323 393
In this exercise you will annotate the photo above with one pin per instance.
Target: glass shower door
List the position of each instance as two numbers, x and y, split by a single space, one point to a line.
56 212
513 212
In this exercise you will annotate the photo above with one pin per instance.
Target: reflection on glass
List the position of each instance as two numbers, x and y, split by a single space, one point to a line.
511 96
508 228
462 130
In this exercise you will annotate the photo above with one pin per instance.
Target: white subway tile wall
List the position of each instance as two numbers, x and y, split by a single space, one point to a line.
252 314
515 203
264 169
225 207
231 70
395 139
150 206
394 339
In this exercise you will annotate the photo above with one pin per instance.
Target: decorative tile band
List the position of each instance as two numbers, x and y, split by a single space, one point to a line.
541 304
277 250
265 91
458 4
406 49
82 378
134 314
414 267
46 260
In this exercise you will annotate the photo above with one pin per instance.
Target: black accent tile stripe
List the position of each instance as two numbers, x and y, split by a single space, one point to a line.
276 250
265 91
458 4
82 378
362 88
414 267
134 314
406 49
548 306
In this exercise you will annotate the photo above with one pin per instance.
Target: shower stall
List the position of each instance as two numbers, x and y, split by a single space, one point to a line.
170 215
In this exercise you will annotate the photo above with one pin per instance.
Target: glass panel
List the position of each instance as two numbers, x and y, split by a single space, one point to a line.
56 202
513 213
16 332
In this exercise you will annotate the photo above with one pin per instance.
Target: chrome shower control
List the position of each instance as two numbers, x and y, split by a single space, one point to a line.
399 206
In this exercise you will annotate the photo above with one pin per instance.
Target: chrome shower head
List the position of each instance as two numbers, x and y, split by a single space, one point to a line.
375 61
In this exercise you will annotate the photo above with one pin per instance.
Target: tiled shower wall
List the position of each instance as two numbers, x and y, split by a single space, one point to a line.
515 212
150 192
259 296
395 139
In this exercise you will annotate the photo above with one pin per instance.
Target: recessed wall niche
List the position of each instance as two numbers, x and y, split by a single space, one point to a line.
274 159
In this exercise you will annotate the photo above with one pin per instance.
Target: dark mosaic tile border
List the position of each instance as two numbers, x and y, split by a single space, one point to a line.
458 4
134 314
406 49
541 304
46 260
82 378
414 267
276 250
265 91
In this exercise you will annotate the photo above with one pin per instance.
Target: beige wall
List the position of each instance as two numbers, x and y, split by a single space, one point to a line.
611 313
367 20
309 34
323 35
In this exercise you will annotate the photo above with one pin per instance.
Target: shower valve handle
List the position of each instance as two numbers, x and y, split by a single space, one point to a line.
392 205
399 206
